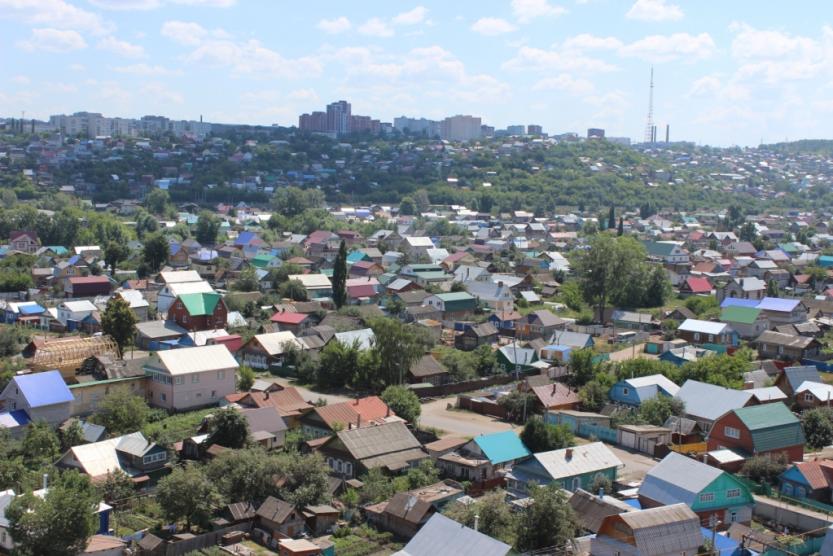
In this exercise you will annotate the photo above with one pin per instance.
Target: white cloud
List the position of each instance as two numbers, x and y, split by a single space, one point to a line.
122 48
334 26
252 58
144 5
146 70
750 43
53 40
586 41
528 58
654 10
411 17
161 93
184 32
21 80
303 94
777 57
55 14
565 82
491 26
666 48
528 10
705 86
376 27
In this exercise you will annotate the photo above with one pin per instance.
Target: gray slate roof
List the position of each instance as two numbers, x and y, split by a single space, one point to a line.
708 402
442 536
677 479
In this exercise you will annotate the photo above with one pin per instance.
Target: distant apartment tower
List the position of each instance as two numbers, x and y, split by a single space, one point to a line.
595 133
315 122
154 125
533 129
460 128
364 124
91 124
515 130
417 126
487 130
338 117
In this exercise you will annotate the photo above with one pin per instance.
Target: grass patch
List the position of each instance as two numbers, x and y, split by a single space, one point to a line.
365 541
174 428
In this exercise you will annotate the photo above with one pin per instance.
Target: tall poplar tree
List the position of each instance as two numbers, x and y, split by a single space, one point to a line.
340 276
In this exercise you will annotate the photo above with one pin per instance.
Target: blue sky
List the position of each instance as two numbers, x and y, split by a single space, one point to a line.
725 72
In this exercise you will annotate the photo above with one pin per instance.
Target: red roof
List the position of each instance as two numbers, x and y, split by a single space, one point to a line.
365 290
286 317
696 235
89 280
699 285
556 395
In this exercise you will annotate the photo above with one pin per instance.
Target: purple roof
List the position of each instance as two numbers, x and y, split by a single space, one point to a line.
46 388
738 302
778 304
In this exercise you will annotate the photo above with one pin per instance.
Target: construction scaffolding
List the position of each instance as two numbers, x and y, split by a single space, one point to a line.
67 355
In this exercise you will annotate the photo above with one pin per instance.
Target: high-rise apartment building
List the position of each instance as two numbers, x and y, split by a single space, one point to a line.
533 129
314 122
515 130
338 117
460 128
417 126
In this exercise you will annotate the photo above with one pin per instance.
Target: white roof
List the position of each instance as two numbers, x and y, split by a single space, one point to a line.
584 459
274 342
312 280
702 326
820 390
196 359
769 393
419 241
660 380
201 337
134 298
364 338
79 306
180 288
725 455
99 458
180 276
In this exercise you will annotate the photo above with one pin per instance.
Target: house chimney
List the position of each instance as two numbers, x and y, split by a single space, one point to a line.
476 521
569 454
359 422
601 493
554 387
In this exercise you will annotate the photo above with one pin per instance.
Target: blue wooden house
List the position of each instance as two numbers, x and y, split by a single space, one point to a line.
635 391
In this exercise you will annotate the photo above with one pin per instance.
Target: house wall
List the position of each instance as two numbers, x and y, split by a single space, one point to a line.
750 331
179 314
53 414
191 390
624 394
88 395
718 438
572 483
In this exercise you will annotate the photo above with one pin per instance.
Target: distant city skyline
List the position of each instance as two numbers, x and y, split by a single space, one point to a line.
736 73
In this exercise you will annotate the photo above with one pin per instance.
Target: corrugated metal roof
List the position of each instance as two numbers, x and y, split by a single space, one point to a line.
654 380
196 359
708 402
772 426
42 389
443 536
677 479
200 304
275 342
501 447
375 441
579 460
703 326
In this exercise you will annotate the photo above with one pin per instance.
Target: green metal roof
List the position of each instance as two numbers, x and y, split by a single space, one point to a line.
200 304
772 426
743 315
455 296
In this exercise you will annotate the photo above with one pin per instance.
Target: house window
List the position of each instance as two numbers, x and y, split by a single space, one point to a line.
576 483
213 393
780 350
711 337
731 432
808 397
733 493
153 458
179 380
195 379
348 468
164 397
221 375
696 336
707 497
625 391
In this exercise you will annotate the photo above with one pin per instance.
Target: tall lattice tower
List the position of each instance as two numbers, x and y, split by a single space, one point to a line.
649 125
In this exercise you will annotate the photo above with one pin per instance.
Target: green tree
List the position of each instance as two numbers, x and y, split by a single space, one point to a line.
244 475
340 277
772 289
71 435
407 207
293 201
549 522
247 281
155 252
594 394
582 368
208 225
495 518
117 488
658 409
294 290
338 364
40 446
424 474
187 494
658 287
122 412
60 523
722 370
245 378
305 478
229 428
114 253
601 484
539 436
402 401
611 219
818 427
621 229
764 469
518 405
398 346
119 322
602 269
158 201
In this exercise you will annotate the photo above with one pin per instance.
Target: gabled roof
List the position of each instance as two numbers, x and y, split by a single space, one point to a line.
553 395
501 447
699 285
677 479
443 536
795 376
275 510
42 389
200 304
195 359
772 426
743 315
703 326
578 460
786 340
369 442
708 402
661 381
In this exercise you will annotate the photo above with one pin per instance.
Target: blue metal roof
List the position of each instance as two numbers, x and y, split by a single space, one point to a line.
12 419
245 238
34 309
778 304
501 447
738 302
46 388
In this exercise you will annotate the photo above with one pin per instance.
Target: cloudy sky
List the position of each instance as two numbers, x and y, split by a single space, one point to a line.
725 72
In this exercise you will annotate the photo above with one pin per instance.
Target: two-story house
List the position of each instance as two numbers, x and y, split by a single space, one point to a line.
24 241
759 430
190 377
42 396
199 311
701 332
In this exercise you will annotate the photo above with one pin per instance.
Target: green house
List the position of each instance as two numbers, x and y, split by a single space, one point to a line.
572 468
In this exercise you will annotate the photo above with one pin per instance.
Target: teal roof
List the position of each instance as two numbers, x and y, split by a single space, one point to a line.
659 249
200 304
455 296
501 447
356 256
772 426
